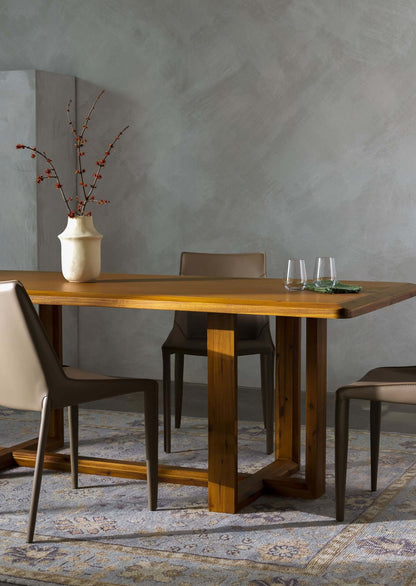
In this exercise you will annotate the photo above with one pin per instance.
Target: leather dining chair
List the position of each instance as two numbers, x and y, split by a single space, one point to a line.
189 334
393 384
32 379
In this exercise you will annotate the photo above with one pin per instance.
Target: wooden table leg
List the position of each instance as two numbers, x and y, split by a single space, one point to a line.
51 317
222 414
288 411
288 382
316 350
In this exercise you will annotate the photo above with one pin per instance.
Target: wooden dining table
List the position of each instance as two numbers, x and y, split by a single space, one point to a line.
223 299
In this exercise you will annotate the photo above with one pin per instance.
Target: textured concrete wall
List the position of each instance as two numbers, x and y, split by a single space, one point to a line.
286 126
31 112
52 95
18 226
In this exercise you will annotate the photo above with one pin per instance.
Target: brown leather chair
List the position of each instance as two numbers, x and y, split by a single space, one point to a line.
394 384
189 334
32 379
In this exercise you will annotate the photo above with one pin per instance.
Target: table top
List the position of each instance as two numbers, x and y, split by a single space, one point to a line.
262 296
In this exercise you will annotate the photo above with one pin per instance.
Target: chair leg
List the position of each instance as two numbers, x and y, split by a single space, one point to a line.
166 402
263 378
37 477
151 433
375 419
267 391
73 442
341 452
179 360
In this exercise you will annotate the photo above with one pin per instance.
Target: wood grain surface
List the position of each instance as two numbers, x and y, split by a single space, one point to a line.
214 295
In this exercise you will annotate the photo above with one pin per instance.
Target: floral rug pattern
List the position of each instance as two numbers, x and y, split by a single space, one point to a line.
103 534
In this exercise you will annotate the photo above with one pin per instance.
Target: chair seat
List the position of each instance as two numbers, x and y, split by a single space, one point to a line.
393 384
84 386
78 374
177 342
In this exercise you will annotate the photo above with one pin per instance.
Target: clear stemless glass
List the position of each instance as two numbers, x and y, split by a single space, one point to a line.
295 279
324 274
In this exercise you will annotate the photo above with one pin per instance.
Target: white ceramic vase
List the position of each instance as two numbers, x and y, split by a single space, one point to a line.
80 250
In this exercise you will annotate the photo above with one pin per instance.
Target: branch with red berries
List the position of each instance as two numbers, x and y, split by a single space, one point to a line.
80 140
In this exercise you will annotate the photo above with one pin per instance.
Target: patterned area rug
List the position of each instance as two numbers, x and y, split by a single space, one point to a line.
103 535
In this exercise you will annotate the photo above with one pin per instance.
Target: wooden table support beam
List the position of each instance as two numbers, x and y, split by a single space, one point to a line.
7 454
315 424
51 318
116 468
222 414
288 382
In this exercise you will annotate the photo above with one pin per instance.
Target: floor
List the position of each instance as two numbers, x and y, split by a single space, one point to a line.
394 417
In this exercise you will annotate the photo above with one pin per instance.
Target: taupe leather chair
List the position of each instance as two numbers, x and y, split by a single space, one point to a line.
32 379
394 384
189 334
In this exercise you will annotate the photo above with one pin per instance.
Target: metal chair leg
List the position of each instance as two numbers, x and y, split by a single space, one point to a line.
166 402
37 477
375 419
73 442
341 452
179 360
151 433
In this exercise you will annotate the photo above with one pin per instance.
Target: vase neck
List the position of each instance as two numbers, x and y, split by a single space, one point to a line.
80 227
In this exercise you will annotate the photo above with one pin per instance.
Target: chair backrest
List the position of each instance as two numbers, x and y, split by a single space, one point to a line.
27 360
250 264
232 265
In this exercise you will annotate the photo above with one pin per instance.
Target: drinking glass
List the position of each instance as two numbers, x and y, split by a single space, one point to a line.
324 274
295 279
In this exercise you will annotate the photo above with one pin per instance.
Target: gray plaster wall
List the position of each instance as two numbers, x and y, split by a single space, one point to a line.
279 125
18 208
30 114
53 92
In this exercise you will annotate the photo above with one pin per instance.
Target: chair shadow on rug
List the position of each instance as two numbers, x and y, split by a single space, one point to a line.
32 379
